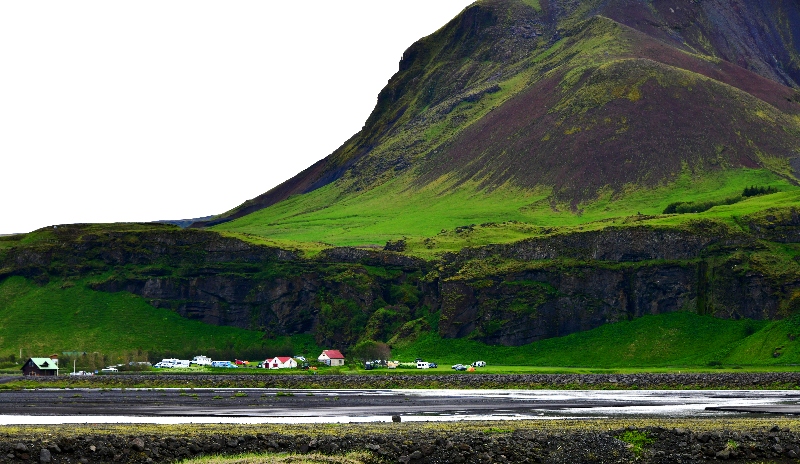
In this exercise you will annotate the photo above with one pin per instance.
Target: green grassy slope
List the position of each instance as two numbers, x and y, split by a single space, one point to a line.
670 340
71 317
57 317
620 122
391 211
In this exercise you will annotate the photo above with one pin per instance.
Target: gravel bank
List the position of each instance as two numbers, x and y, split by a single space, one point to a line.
738 381
410 443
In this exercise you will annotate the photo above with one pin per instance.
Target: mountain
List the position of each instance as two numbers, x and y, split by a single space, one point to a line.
574 99
549 174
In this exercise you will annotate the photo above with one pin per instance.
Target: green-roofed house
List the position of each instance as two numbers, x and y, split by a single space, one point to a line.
41 366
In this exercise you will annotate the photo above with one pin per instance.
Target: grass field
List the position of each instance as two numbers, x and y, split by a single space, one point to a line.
71 317
669 341
435 219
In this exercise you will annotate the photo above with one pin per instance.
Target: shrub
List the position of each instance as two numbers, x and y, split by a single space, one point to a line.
370 350
683 207
754 191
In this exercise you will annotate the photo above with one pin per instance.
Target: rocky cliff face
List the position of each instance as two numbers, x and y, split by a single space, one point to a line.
509 294
522 307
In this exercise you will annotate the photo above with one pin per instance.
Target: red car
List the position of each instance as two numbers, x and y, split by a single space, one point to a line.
239 362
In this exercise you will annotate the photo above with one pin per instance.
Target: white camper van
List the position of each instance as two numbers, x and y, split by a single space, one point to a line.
201 360
167 362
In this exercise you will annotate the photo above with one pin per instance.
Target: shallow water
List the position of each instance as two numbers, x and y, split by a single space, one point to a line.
281 406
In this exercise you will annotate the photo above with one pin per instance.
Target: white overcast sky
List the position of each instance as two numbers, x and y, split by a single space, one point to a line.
121 111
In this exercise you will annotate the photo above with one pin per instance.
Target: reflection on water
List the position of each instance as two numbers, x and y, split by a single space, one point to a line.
88 420
417 405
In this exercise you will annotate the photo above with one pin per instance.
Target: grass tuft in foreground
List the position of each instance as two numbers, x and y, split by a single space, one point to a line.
280 458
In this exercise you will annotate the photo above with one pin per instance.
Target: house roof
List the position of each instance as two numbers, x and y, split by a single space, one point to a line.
44 363
333 354
281 359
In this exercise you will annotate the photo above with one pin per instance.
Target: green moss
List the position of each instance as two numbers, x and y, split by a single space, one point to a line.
639 441
58 317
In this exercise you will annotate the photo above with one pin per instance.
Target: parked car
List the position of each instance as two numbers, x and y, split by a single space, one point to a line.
433 365
479 364
81 373
239 362
109 370
460 367
227 364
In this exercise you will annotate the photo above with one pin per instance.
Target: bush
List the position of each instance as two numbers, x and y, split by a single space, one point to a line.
683 207
370 350
754 191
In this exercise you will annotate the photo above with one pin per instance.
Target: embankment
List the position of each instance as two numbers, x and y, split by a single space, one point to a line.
738 440
644 381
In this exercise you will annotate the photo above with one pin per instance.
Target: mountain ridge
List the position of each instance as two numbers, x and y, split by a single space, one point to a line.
534 169
498 40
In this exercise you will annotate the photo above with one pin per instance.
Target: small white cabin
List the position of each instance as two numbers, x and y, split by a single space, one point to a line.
280 362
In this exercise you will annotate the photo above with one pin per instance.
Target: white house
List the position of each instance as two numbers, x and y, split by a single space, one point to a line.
331 358
280 362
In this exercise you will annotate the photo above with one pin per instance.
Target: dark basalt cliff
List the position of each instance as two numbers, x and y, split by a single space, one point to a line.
501 294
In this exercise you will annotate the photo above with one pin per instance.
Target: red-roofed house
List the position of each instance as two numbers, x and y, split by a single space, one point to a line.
331 358
280 362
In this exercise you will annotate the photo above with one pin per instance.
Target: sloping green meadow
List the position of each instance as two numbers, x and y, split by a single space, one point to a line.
678 339
429 218
59 316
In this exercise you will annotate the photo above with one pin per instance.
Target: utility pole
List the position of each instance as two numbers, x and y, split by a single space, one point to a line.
73 365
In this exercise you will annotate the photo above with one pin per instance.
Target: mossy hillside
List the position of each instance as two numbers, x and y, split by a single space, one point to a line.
471 69
439 218
443 112
233 281
69 316
77 318
668 340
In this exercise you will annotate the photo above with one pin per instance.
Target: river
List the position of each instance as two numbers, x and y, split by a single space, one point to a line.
253 406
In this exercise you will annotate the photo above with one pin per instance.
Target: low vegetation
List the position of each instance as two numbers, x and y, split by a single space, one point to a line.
639 441
441 218
683 207
280 458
